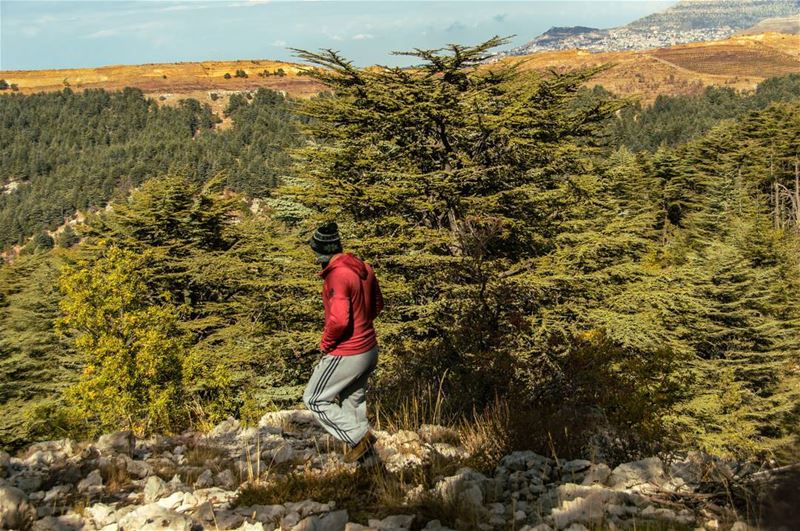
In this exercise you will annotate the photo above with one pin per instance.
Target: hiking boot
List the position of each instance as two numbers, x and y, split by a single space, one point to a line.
359 450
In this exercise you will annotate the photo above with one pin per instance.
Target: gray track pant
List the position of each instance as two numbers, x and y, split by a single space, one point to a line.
344 377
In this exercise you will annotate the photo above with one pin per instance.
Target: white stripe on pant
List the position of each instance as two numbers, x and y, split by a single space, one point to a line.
347 378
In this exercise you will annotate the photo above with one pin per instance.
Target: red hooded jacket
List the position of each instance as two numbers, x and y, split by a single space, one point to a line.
352 300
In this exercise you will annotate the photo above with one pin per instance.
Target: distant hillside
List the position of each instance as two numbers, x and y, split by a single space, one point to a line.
698 14
171 81
790 25
687 21
739 62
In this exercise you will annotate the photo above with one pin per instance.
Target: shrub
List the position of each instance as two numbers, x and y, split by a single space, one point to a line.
132 348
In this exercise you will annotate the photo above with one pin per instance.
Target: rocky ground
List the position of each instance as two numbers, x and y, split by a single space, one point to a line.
197 481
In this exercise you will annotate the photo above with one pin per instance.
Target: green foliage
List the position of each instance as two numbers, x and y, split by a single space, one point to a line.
522 258
129 341
39 243
505 248
673 120
644 284
67 237
35 365
744 265
245 287
76 151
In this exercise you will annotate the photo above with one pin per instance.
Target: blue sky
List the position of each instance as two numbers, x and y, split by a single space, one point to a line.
68 33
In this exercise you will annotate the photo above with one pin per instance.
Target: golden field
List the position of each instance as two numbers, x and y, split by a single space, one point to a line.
740 62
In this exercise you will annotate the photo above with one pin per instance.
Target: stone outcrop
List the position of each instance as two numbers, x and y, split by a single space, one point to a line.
194 481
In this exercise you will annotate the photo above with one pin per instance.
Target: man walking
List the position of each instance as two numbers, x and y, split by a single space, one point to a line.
352 300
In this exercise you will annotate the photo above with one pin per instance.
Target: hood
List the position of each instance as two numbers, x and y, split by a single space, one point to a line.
348 260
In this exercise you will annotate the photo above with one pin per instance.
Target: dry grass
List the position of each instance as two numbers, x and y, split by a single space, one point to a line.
347 487
168 78
207 456
115 475
739 62
425 406
486 435
369 492
366 492
731 60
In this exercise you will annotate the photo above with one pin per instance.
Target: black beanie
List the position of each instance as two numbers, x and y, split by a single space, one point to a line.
326 239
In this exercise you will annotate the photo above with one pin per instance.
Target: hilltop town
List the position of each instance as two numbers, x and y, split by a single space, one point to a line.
686 22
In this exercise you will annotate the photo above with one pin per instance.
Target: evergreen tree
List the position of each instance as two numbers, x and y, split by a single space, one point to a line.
499 239
749 280
35 365
245 285
674 120
67 151
130 344
67 238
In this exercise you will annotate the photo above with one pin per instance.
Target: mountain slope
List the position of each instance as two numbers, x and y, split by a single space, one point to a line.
170 78
687 21
790 25
738 62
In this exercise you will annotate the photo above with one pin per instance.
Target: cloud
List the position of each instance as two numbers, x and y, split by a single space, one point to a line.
152 29
30 31
280 43
455 26
100 34
248 3
179 7
363 36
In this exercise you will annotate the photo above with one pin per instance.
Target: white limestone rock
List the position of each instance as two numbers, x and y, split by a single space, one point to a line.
227 429
154 517
154 488
263 513
219 498
171 502
16 512
137 469
101 514
204 480
645 471
91 484
226 479
65 522
394 522
121 442
597 474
